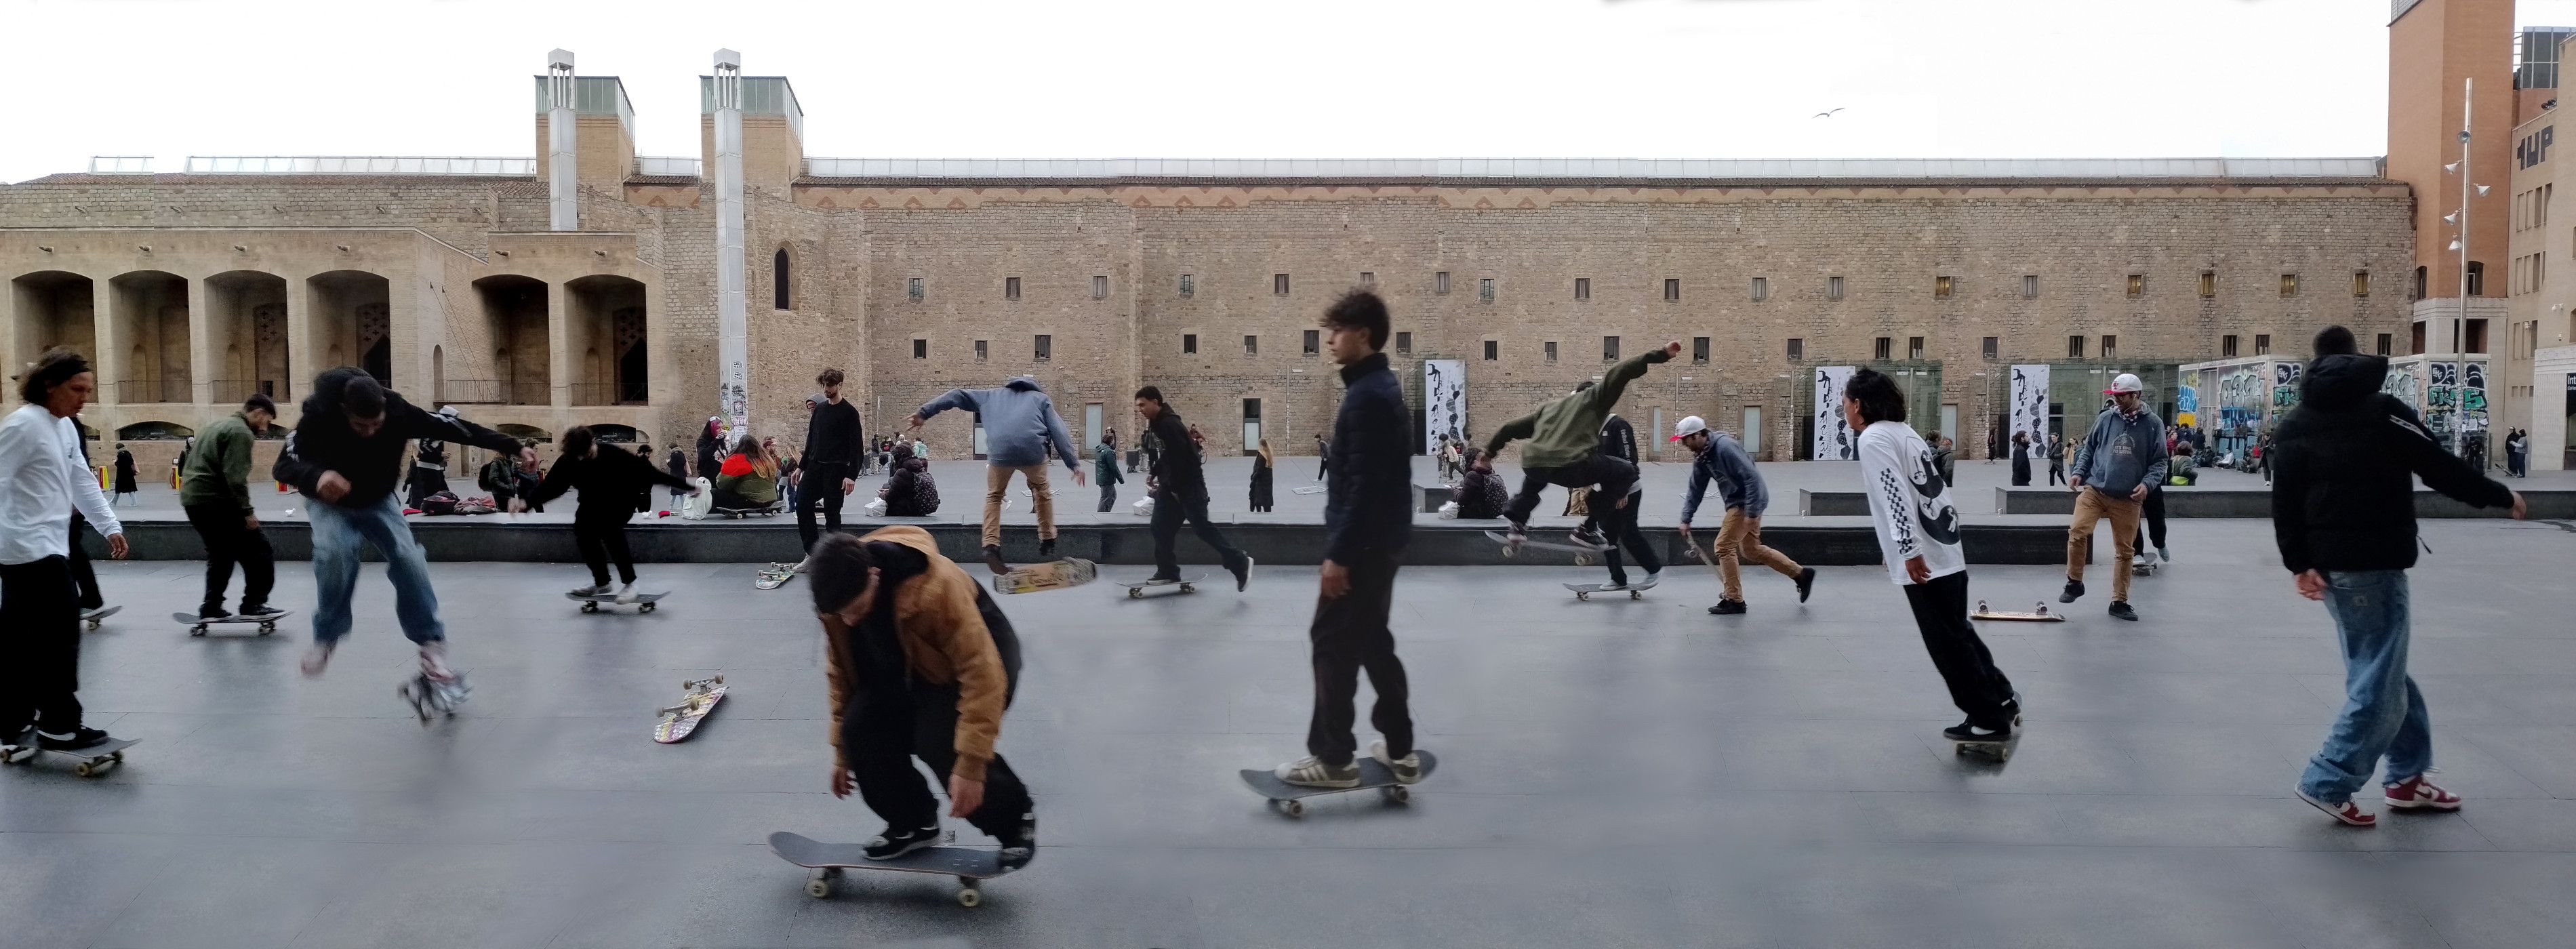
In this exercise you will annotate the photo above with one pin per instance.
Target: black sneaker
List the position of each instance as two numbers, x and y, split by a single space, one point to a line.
1727 607
993 559
1806 582
212 612
896 842
78 739
1046 547
2074 590
1021 847
1243 574
2120 610
259 610
1588 535
1971 731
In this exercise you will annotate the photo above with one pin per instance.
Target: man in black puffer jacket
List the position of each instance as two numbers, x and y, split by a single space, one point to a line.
2343 513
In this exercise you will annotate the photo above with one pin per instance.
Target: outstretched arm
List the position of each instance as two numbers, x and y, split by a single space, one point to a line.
1512 431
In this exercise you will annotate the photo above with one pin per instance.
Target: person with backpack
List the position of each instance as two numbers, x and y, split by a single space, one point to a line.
910 491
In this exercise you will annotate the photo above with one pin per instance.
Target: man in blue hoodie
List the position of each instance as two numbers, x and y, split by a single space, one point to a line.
1718 457
1020 426
2118 463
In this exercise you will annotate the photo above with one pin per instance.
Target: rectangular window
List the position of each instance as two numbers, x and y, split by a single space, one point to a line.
912 289
1404 344
2415 345
1880 348
2361 283
1485 290
1761 289
1550 353
1914 348
2208 284
1833 288
2289 285
1279 284
1797 349
1609 349
920 349
2110 346
2075 347
2386 340
1699 349
1583 288
1368 278
1672 289
1314 343
1440 282
2262 344
1990 348
1493 350
2030 286
980 351
1251 345
1941 287
2227 346
1010 288
1099 287
2477 336
1189 344
1189 285
1045 348
2137 285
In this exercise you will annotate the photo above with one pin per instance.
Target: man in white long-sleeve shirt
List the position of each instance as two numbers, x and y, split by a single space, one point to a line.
42 480
1918 533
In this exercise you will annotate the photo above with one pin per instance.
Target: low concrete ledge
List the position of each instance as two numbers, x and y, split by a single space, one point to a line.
2257 504
1834 504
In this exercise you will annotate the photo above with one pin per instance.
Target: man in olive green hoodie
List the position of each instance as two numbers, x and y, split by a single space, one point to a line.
1565 447
214 489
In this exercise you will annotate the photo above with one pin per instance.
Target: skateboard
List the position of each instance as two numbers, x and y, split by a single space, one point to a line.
1584 591
970 865
1582 552
1309 489
775 575
680 720
2144 566
2039 614
1290 799
2001 751
1052 575
197 625
97 616
592 603
94 760
431 699
1188 584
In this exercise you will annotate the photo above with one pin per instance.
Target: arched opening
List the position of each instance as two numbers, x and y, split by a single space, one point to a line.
514 326
154 431
148 311
55 308
438 373
779 285
617 434
352 321
247 323
606 326
524 433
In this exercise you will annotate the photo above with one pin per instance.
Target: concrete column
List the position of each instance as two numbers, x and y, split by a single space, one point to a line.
201 345
559 356
733 399
563 199
299 340
111 341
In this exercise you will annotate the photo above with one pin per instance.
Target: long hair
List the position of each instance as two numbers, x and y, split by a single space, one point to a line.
1265 451
761 463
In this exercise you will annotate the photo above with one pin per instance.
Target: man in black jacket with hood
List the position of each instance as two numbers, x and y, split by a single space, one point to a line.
606 476
344 454
2343 513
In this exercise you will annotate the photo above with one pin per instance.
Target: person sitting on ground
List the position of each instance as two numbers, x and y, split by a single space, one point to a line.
910 491
748 481
1480 493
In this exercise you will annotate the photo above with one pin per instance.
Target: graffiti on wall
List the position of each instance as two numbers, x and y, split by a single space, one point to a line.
2187 400
2451 402
2285 384
2403 386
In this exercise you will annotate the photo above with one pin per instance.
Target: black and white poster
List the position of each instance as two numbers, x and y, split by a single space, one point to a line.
1835 439
1444 402
2030 401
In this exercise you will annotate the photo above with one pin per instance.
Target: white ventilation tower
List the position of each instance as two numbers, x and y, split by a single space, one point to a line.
734 400
563 204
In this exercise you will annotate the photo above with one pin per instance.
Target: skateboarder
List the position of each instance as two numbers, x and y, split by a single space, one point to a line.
1020 426
920 663
43 477
1368 518
1720 458
214 491
833 440
1104 466
343 455
2115 466
1178 485
2343 513
1565 448
609 478
1918 535
1619 440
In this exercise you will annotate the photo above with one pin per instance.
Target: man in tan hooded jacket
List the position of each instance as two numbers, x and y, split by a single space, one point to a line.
920 663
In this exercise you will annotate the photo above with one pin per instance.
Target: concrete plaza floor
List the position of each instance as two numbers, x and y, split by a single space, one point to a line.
1615 773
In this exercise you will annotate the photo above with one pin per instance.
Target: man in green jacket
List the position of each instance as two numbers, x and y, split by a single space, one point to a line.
214 489
1565 448
1104 462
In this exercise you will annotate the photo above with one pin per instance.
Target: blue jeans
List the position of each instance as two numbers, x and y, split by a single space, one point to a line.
337 532
2383 714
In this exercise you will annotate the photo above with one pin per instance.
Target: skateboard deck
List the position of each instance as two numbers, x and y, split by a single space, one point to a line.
2039 614
1309 489
1999 750
2143 567
1290 799
591 604
1052 575
1188 584
99 616
1532 540
680 720
94 760
197 626
1584 591
970 865
775 575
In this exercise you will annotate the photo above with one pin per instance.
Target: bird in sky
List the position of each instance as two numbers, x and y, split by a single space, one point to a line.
1828 113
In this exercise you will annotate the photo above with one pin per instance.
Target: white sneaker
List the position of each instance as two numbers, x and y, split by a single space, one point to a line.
1613 587
317 658
626 594
1408 769
2164 554
1312 772
1652 579
596 589
800 565
433 662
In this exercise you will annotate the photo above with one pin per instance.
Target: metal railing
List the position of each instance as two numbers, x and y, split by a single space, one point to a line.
233 391
491 392
607 393
1611 168
120 164
357 165
139 391
663 166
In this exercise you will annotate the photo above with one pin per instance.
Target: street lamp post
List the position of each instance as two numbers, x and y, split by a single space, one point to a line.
2460 243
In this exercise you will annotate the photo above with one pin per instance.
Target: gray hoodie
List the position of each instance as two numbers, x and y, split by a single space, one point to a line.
2120 454
1019 422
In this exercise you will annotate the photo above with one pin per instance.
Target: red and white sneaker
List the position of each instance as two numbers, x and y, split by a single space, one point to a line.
2348 812
2415 793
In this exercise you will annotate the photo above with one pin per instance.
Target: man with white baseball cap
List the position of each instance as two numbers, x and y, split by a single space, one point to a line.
2115 466
1722 459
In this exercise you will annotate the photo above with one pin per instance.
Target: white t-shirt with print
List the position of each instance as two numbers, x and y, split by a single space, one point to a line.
1908 502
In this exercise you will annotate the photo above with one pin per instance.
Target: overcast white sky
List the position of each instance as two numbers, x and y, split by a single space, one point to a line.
1229 78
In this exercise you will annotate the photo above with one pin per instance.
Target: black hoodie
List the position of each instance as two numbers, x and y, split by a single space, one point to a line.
2344 465
322 442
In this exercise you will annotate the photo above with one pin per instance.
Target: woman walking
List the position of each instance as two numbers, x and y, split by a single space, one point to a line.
125 476
1261 478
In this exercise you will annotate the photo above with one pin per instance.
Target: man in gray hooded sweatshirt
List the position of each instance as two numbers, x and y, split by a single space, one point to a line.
2118 463
1020 426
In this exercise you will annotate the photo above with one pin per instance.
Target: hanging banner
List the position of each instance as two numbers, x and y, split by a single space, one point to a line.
1835 440
1444 402
2030 401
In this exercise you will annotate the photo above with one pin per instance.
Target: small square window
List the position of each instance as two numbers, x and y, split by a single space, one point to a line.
980 351
1672 289
1045 348
1550 353
1251 345
1990 348
1609 349
1914 347
2361 286
2262 344
2289 285
2208 284
1941 287
2386 340
1833 288
1797 349
1440 282
1279 284
1189 285
1368 278
1099 287
1485 290
1404 344
1699 349
2075 347
2137 285
920 349
2030 286
1189 344
2227 346
1880 348
1583 288
1493 350
2110 346
1761 289
1314 343
1010 288
912 289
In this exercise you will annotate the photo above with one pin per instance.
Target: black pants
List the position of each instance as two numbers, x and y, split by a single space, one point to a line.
2153 512
1615 476
1620 526
1350 634
1108 495
1169 511
230 540
2056 474
920 721
84 579
41 669
1976 686
825 492
602 538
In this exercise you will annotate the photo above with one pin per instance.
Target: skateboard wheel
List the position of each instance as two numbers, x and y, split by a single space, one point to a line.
1186 588
196 631
83 769
590 607
1293 808
970 897
1399 794
267 628
646 608
1135 593
1580 595
1636 595
719 678
818 888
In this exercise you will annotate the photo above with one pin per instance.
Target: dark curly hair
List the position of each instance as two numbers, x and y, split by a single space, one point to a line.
57 366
